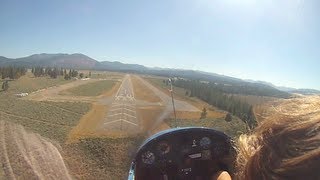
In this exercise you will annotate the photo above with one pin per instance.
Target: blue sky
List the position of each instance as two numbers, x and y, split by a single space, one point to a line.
272 40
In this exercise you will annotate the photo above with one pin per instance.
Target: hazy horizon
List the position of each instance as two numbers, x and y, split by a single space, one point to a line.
272 41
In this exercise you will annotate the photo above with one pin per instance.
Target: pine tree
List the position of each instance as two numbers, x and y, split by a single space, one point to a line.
66 77
228 117
187 93
203 113
5 86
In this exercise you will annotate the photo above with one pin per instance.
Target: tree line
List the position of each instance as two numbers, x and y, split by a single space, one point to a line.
12 72
214 96
15 72
54 72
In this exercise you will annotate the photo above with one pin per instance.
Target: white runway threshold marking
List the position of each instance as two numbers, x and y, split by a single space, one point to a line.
122 114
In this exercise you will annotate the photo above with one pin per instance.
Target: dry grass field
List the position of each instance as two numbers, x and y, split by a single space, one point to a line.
89 124
101 158
148 116
50 119
143 93
102 74
158 82
29 83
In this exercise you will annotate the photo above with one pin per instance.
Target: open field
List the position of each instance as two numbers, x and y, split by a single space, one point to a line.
50 119
52 93
90 89
29 83
102 75
101 158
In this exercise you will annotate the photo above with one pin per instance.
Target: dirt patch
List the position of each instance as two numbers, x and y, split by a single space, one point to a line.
142 92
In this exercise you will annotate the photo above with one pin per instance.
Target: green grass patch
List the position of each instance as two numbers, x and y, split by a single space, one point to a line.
233 129
91 89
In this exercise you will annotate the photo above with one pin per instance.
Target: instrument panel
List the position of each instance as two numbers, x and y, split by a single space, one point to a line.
186 153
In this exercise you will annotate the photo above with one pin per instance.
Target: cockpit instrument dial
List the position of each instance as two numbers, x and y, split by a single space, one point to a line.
205 142
148 157
163 148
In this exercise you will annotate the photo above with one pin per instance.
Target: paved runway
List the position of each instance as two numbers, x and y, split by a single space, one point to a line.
122 115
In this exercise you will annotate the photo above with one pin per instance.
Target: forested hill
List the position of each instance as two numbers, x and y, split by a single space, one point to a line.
225 84
80 61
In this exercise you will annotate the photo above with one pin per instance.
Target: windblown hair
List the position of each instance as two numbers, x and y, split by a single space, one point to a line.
286 145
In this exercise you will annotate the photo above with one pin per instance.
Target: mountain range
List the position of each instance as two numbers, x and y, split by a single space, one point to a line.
81 61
